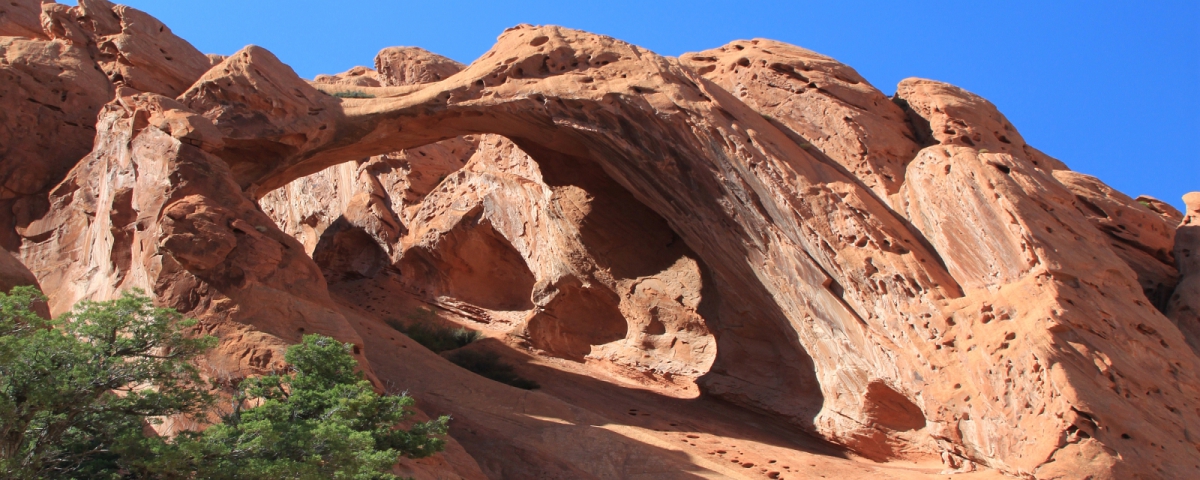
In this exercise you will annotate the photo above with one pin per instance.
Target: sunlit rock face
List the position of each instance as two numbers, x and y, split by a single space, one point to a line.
756 224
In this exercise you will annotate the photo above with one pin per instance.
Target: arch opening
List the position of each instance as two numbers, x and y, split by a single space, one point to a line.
683 162
732 340
345 252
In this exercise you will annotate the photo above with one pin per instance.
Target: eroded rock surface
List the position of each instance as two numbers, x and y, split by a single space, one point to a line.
826 106
885 285
1140 232
51 92
399 66
148 209
21 18
904 277
558 264
1184 305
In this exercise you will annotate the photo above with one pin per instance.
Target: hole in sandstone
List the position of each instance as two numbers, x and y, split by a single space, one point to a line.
576 319
345 252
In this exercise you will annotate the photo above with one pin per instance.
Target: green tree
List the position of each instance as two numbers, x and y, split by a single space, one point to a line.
321 420
75 391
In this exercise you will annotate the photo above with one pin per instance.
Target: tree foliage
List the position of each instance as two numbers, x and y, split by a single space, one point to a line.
74 393
321 420
77 393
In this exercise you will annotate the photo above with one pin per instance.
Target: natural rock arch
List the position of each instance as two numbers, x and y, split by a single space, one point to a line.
822 266
1038 363
726 180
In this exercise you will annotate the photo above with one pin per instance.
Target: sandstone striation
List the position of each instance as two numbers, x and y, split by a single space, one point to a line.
752 232
826 107
51 93
148 209
1138 233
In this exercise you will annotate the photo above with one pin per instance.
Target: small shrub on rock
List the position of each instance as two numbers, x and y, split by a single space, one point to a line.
352 94
488 365
424 330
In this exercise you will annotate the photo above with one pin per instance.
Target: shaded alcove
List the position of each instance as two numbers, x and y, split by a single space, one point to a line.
345 252
577 319
759 358
472 263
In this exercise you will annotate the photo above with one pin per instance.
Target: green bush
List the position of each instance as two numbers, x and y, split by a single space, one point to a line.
423 329
321 420
352 94
76 394
488 365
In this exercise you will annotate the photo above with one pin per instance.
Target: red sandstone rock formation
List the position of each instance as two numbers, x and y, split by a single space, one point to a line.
398 66
904 276
13 273
1184 305
21 18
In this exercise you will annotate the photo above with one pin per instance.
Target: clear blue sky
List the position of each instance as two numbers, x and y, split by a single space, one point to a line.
1111 88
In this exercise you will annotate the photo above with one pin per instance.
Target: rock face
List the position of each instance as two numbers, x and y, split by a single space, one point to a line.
398 66
1140 233
824 106
1184 305
904 277
148 209
21 18
51 93
13 273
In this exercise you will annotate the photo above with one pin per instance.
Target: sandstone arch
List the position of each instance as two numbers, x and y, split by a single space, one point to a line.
840 272
1040 361
725 179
